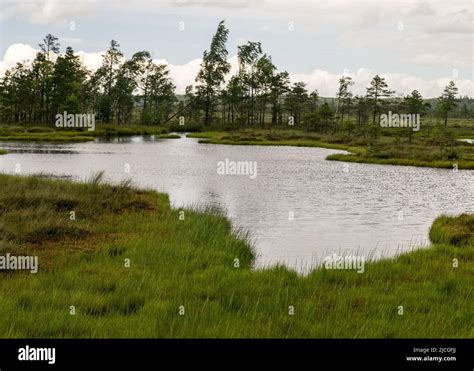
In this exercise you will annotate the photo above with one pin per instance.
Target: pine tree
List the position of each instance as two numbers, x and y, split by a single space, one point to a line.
214 67
378 89
447 100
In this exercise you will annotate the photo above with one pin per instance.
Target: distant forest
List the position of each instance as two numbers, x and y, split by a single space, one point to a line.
137 90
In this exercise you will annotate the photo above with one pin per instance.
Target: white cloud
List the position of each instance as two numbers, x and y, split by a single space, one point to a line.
92 61
182 75
19 53
16 53
327 83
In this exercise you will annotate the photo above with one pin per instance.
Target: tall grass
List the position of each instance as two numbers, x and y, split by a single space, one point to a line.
190 263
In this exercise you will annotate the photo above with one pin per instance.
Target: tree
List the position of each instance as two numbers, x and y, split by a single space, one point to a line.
414 104
447 100
248 55
214 67
378 89
265 71
296 100
191 108
162 93
313 100
50 44
464 111
234 97
362 108
279 87
106 76
121 97
19 98
67 81
344 96
43 70
143 67
325 115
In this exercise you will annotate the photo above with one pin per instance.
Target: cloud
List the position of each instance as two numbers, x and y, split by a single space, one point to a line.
325 82
435 32
16 53
48 11
92 61
19 53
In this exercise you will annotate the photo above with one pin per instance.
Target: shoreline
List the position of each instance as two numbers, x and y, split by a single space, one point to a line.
356 154
191 263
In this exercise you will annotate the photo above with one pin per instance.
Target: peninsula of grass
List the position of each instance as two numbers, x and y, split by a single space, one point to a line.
168 136
130 265
44 133
387 148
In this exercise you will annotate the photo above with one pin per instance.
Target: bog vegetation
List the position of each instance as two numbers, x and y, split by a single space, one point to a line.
129 266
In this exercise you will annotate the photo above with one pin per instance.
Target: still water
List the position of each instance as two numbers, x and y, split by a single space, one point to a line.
299 208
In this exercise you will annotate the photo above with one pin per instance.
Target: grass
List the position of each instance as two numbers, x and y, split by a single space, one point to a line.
169 136
45 133
435 147
455 231
191 263
469 165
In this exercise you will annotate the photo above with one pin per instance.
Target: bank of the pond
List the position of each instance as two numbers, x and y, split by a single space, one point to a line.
381 152
44 133
132 266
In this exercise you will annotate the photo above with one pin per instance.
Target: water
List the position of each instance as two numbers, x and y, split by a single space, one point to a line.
364 209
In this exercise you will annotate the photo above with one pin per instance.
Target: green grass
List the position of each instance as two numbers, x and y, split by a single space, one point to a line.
57 137
169 136
190 263
402 161
455 231
3 152
388 148
46 133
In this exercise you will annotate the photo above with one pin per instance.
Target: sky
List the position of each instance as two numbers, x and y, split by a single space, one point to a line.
414 44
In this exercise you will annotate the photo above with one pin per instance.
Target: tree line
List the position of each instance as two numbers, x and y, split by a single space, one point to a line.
137 90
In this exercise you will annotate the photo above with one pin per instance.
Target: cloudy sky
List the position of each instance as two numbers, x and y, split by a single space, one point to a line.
415 44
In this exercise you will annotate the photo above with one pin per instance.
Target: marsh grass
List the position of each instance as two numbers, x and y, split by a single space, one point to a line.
389 148
191 263
46 133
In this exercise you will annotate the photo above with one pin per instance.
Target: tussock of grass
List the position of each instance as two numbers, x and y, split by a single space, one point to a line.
453 230
191 263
